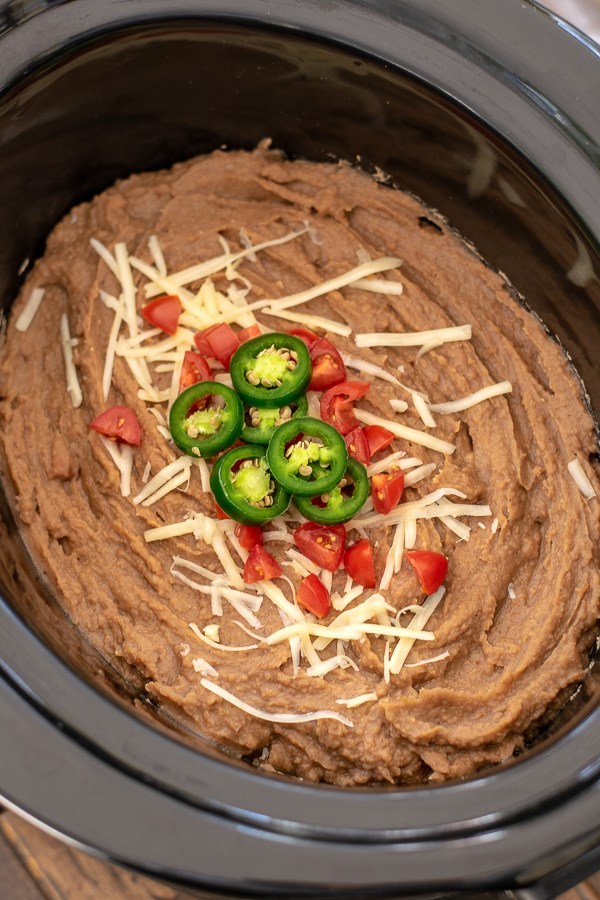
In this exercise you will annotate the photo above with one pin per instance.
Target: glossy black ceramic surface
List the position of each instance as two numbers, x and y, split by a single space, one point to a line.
463 105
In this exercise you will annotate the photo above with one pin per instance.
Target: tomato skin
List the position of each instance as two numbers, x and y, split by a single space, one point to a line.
386 490
248 535
219 342
357 445
378 438
260 566
120 424
336 405
328 367
305 334
194 369
246 334
221 514
163 313
322 544
358 562
314 596
431 568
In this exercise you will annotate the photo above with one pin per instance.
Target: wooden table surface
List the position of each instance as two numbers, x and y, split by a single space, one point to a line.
35 866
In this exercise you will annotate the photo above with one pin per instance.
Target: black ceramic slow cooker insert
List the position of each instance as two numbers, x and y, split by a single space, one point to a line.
488 112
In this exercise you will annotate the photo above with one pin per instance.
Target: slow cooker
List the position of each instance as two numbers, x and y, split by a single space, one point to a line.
486 110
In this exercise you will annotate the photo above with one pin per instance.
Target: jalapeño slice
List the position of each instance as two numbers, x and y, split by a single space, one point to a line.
244 486
307 456
341 503
271 370
261 421
206 418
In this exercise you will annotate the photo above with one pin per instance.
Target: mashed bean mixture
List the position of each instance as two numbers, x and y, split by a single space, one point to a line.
512 630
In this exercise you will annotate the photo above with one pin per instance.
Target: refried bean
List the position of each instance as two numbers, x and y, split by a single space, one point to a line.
521 603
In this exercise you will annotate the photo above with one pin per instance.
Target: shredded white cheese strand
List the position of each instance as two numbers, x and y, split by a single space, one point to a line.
368 368
409 434
414 338
351 702
379 286
310 321
67 344
372 267
289 718
225 647
30 309
580 478
486 393
162 479
419 620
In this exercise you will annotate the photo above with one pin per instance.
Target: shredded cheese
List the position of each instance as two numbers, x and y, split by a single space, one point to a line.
486 393
169 477
580 478
291 718
351 702
67 344
398 405
414 338
379 286
122 456
419 620
403 431
224 647
311 321
30 309
368 368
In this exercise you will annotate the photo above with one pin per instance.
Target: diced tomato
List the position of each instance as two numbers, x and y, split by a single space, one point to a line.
194 369
378 438
260 566
328 366
323 544
306 335
163 313
219 342
358 562
336 405
248 535
221 514
248 333
314 596
120 424
356 443
386 490
431 567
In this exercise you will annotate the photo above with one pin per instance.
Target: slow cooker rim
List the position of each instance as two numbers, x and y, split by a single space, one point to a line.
588 771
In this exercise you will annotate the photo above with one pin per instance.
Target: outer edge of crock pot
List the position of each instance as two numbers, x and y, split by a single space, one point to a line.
585 772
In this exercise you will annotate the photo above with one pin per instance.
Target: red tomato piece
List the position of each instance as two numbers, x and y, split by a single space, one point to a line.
163 313
323 544
431 567
358 562
305 334
314 596
356 443
248 535
386 490
260 566
336 405
378 438
328 366
219 342
248 333
194 369
221 514
120 424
